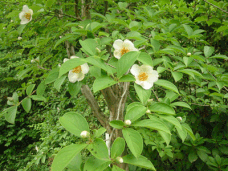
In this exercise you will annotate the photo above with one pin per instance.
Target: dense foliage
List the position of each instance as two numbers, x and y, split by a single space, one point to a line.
182 119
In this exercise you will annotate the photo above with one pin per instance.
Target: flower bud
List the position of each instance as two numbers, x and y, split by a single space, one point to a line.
60 37
119 159
36 148
11 21
19 38
59 65
179 118
84 134
189 54
33 61
148 112
127 122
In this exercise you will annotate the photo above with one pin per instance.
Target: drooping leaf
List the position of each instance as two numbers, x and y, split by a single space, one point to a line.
89 46
30 88
27 103
118 147
74 88
167 85
41 89
143 94
10 114
208 51
159 107
189 130
99 149
94 164
165 136
145 58
118 124
171 120
102 83
53 75
135 113
58 83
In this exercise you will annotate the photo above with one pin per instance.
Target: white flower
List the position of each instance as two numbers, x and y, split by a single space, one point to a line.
33 61
84 134
179 118
144 75
26 15
59 65
19 38
119 159
78 73
122 47
189 54
60 37
36 148
148 111
11 21
127 122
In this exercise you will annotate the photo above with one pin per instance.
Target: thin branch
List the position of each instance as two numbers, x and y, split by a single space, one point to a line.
198 104
156 95
40 67
216 6
26 97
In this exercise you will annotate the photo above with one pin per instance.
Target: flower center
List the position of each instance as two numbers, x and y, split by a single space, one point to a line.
124 50
77 70
27 16
143 76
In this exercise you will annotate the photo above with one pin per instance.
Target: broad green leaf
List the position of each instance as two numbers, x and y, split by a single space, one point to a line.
159 107
182 133
122 5
102 83
94 164
118 147
125 62
155 44
127 78
52 76
66 155
222 28
75 164
189 130
140 161
220 57
202 155
22 73
70 64
208 51
187 60
226 95
171 120
135 113
153 123
116 168
134 141
10 114
99 132
30 88
95 71
160 69
134 25
67 37
74 88
89 46
99 149
38 98
15 97
182 104
145 58
41 89
49 3
74 123
143 94
177 76
165 136
167 84
192 157
118 124
27 103
58 83
133 105
188 29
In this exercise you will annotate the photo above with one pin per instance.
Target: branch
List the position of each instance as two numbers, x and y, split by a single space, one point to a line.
216 6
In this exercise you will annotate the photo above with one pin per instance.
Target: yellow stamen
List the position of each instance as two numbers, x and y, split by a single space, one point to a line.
124 50
27 16
77 70
143 76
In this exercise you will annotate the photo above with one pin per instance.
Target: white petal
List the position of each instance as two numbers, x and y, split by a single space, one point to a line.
146 68
24 21
152 78
73 57
128 44
118 44
135 69
21 14
73 77
117 54
25 8
31 11
146 85
65 59
85 68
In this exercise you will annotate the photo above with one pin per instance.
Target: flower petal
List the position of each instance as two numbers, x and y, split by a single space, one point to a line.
118 44
117 54
146 68
25 8
65 59
24 21
31 12
135 70
73 77
21 14
128 44
146 85
153 77
73 57
85 68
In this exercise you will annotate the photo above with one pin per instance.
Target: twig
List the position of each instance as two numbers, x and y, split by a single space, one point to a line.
26 97
216 6
156 95
118 111
198 104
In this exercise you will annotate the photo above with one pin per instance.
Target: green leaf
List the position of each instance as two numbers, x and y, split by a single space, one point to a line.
182 133
10 114
118 124
189 130
74 88
53 75
67 37
134 141
155 44
59 82
220 57
70 64
135 113
192 157
140 161
145 58
131 105
187 60
125 62
159 107
75 164
202 155
143 94
30 88
94 164
89 46
27 103
153 123
99 149
99 132
41 89
167 84
116 168
102 83
74 123
23 73
188 29
177 76
165 136
134 25
66 155
95 71
38 98
208 51
49 3
182 104
122 5
127 78
15 97
118 147
171 120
